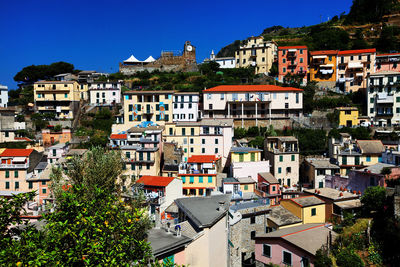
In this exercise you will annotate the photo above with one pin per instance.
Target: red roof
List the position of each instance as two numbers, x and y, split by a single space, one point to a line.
293 47
202 159
118 136
250 88
324 52
14 152
161 181
359 51
388 54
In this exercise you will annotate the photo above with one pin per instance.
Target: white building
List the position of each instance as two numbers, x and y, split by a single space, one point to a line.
186 106
252 102
383 98
104 93
224 62
54 153
3 96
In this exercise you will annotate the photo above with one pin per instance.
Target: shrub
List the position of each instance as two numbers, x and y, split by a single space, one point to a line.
347 258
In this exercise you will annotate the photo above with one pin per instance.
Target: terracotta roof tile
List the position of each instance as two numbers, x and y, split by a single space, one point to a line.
118 136
155 180
250 88
324 52
359 51
202 159
14 152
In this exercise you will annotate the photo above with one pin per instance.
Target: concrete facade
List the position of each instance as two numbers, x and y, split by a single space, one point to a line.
186 106
256 53
104 93
3 96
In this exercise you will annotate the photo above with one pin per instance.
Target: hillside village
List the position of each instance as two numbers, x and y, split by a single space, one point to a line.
268 153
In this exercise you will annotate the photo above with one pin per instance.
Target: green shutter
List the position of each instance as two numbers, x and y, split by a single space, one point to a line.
30 185
183 179
253 156
191 179
200 179
281 158
7 185
7 174
210 179
293 157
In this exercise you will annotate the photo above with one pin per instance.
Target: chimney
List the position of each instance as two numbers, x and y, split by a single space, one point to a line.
221 205
178 230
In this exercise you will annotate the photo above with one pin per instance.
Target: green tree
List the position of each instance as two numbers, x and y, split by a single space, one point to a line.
34 73
373 200
347 258
322 258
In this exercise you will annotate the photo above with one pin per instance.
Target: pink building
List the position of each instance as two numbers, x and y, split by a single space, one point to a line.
269 187
388 62
293 246
292 60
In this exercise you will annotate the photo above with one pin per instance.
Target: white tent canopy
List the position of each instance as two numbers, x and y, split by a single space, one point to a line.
150 59
132 59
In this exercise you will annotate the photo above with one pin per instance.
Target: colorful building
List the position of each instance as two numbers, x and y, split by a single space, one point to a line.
269 187
309 209
323 68
50 137
283 154
205 137
315 169
353 68
252 105
383 98
199 175
59 97
388 62
104 93
257 53
17 166
348 116
293 61
147 106
294 246
246 162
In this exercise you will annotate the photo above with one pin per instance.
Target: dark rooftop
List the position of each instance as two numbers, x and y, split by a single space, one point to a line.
281 216
162 242
204 211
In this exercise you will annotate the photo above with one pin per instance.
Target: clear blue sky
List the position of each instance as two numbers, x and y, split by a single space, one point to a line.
97 35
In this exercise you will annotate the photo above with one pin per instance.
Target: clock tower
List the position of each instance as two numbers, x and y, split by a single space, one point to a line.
189 53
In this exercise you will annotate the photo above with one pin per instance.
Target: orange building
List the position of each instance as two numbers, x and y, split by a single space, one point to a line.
50 138
323 67
292 60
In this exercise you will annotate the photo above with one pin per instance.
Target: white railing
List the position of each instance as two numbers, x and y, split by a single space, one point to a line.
14 166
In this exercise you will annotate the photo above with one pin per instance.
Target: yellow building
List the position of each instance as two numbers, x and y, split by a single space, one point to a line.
84 91
59 97
154 106
348 116
205 137
322 67
309 209
245 154
256 53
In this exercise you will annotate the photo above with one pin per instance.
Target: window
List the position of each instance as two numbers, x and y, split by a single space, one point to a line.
203 150
252 235
210 179
284 70
368 159
216 150
44 191
371 110
43 182
203 141
305 262
183 179
284 60
147 166
297 98
301 60
132 166
16 174
16 185
286 96
128 155
222 96
351 57
191 179
397 99
279 170
313 211
191 140
192 131
293 157
191 150
286 105
246 187
30 185
216 141
301 51
267 250
241 157
252 219
7 185
281 158
253 156
280 181
200 179
171 131
288 169
321 184
183 131
287 258
66 95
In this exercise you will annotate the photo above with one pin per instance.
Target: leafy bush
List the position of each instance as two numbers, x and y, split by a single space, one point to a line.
347 258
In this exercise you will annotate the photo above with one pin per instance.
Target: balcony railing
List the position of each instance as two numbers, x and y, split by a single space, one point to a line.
203 171
14 166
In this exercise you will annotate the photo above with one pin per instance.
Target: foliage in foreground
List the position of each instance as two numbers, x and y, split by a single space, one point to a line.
91 224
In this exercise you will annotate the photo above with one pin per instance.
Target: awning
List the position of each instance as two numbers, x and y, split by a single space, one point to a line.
355 65
19 159
150 59
292 50
359 74
318 57
132 59
326 71
327 66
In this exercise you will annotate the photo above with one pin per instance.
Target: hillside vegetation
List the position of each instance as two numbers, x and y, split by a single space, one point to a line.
362 27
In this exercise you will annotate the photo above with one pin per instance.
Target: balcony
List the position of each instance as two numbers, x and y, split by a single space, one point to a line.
14 166
193 171
383 98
